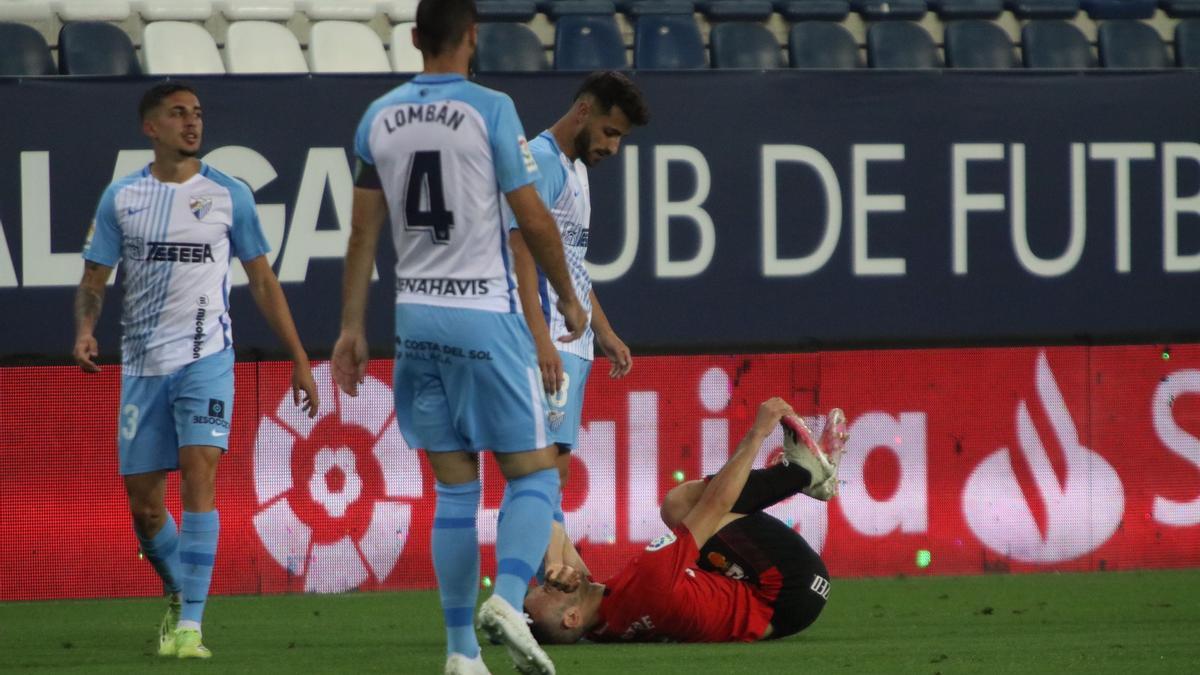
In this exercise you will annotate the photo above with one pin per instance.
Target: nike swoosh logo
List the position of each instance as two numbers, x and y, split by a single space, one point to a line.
217 435
132 211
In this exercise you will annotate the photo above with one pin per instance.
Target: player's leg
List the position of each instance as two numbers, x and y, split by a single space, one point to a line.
146 442
202 401
763 488
786 572
423 413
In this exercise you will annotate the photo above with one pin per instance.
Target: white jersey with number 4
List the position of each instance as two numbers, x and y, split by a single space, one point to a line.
175 241
446 150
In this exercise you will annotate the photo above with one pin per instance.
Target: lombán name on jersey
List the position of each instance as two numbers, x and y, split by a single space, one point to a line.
422 112
445 287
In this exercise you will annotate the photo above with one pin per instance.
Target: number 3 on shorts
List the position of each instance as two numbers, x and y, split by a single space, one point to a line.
129 421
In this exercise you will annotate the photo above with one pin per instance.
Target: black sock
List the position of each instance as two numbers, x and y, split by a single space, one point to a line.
766 487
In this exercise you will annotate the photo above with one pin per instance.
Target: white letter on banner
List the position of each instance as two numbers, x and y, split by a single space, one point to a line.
865 203
963 201
642 496
1121 154
689 208
247 164
1177 384
773 265
1049 267
596 518
1173 205
8 273
41 267
617 268
305 242
907 509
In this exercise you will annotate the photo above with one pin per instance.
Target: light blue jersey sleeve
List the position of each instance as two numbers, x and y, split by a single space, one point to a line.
246 238
104 240
515 165
552 175
362 135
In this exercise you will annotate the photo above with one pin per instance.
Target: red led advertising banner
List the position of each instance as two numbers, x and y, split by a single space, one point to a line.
960 461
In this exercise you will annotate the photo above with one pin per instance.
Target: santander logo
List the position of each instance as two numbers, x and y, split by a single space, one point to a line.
334 491
995 506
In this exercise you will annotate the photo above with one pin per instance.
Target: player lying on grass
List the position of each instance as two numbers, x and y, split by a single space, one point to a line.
727 572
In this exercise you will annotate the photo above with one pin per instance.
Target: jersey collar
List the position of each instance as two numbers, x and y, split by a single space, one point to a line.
438 78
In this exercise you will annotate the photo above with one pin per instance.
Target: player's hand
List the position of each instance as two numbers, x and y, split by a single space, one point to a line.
86 349
551 365
563 577
770 412
575 316
617 352
302 381
349 361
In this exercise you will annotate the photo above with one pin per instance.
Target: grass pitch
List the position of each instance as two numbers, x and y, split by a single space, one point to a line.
1143 622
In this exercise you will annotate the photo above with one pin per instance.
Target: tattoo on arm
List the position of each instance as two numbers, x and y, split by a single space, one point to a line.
88 300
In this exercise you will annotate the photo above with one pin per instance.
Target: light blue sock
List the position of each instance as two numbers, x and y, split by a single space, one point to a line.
455 544
540 576
197 552
522 536
162 550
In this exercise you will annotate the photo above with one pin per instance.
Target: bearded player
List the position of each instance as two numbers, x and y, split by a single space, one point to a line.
727 572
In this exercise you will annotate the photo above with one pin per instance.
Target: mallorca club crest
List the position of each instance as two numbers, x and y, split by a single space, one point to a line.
200 206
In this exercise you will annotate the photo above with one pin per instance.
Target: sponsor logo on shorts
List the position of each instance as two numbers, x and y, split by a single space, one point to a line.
209 419
198 334
820 586
726 566
216 408
443 287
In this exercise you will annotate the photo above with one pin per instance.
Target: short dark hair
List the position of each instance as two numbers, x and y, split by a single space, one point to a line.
610 88
441 24
156 94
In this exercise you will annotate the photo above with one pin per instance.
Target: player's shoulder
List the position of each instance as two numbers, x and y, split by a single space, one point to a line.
238 189
127 180
543 146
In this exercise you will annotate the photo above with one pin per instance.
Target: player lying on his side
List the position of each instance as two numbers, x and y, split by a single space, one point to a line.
727 573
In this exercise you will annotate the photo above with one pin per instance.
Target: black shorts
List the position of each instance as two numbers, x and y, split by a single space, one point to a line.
762 551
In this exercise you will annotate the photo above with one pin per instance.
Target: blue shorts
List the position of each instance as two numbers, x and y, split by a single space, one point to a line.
467 379
565 410
161 414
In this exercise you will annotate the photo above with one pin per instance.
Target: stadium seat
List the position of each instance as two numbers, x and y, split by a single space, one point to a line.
338 10
345 47
666 41
977 43
735 10
262 47
511 11
1119 9
405 57
1187 43
92 10
23 52
180 48
399 11
1181 9
901 44
1055 44
256 10
889 10
744 45
813 10
822 44
588 41
21 11
508 47
967 9
173 10
1131 44
95 48
1043 9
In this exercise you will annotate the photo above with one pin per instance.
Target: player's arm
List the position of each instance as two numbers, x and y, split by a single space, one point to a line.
562 560
268 295
367 217
549 362
606 338
89 300
723 490
545 244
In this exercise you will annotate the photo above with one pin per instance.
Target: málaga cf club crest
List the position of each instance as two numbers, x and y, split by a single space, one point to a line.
200 206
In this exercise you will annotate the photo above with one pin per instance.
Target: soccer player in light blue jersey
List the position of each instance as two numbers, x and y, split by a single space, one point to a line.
175 225
440 154
606 108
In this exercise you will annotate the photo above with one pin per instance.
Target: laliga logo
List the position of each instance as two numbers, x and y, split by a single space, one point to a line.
329 488
995 506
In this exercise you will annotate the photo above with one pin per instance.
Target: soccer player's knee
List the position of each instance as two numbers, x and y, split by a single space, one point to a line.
148 516
679 501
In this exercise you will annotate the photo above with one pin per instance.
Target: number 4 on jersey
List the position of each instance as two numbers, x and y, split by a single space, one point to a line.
425 190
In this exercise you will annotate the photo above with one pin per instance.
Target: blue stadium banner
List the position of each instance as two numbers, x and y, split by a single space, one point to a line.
758 210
